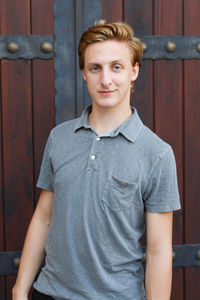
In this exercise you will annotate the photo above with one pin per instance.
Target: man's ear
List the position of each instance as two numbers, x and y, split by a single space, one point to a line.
135 71
83 74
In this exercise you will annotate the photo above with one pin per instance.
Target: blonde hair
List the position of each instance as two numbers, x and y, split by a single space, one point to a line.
103 31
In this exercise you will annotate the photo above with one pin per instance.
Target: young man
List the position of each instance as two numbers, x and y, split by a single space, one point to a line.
104 178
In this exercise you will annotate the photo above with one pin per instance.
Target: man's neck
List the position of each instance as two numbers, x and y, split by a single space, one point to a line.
105 119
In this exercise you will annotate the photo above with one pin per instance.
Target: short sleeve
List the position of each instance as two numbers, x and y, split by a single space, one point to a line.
45 180
162 193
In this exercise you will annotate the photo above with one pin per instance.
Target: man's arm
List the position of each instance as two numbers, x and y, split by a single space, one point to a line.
158 274
33 251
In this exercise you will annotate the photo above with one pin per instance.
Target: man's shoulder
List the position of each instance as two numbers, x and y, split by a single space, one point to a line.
64 129
152 143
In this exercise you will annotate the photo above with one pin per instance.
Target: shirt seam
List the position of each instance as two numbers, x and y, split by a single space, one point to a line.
52 150
155 165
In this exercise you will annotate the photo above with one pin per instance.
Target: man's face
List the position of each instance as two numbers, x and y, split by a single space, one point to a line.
108 72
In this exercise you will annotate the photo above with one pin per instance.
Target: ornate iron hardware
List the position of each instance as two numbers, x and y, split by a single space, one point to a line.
187 255
171 47
155 47
26 46
12 47
8 262
16 262
46 47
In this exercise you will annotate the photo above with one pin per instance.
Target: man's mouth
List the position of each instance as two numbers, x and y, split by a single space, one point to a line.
106 92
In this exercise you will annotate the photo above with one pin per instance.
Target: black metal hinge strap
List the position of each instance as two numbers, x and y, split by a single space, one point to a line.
171 47
26 46
187 255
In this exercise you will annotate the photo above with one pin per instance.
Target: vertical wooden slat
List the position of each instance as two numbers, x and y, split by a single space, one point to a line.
112 10
169 109
17 132
2 279
192 148
43 83
2 245
139 15
2 225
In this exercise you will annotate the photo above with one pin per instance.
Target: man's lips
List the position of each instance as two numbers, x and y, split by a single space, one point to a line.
106 92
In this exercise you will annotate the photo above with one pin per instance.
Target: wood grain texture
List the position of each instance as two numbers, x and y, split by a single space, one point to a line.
15 17
112 10
2 245
18 159
169 109
142 97
170 20
139 15
43 85
17 132
192 147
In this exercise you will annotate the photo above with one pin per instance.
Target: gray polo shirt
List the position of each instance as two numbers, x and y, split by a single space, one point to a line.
103 186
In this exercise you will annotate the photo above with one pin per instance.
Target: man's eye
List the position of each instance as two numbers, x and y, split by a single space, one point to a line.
94 68
116 67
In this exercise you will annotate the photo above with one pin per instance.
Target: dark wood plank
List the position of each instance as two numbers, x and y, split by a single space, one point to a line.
139 15
169 109
43 84
112 10
2 245
18 160
170 17
142 97
191 17
192 148
15 16
17 133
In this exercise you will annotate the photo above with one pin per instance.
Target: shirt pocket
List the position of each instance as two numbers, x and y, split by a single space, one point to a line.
118 194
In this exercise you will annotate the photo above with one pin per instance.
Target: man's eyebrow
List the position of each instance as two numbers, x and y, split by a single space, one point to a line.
93 63
111 62
117 61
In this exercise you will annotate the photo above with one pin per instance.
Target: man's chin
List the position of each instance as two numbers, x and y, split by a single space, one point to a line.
106 104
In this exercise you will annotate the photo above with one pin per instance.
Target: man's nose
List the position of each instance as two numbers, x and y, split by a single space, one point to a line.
106 79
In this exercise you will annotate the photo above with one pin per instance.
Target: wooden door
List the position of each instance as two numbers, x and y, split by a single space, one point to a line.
166 96
27 115
28 103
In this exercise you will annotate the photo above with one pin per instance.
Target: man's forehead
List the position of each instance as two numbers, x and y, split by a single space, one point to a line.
110 44
108 51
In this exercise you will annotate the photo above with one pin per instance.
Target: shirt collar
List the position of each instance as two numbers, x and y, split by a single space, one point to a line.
130 129
83 121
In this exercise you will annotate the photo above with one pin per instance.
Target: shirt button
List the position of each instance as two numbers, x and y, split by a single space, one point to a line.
98 138
93 157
